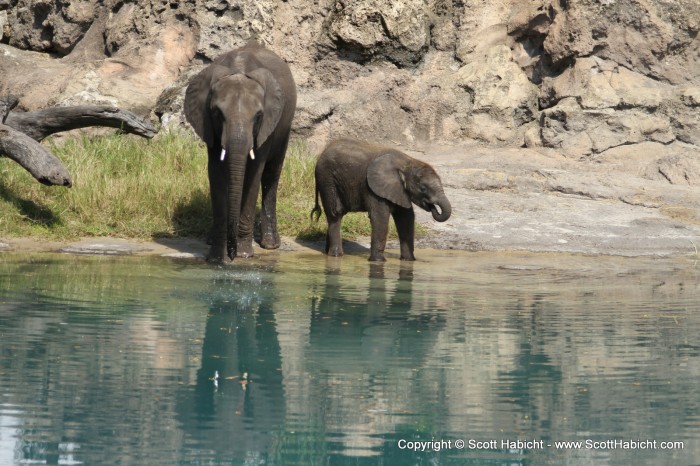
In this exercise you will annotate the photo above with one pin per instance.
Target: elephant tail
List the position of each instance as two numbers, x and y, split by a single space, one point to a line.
317 208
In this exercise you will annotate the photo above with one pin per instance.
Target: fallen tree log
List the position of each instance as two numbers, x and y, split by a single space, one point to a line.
20 133
33 157
42 123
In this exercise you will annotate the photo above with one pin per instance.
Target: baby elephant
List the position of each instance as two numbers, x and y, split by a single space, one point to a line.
354 176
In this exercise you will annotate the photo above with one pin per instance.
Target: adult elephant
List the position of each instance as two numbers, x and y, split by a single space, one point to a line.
356 176
242 106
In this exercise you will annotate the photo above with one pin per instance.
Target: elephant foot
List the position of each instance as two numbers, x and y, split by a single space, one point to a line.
377 258
408 258
218 259
335 252
244 249
270 241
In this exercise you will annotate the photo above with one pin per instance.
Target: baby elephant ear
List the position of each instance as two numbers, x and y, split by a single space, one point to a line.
273 105
385 178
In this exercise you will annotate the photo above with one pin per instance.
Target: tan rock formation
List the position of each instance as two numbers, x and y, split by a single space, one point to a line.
582 77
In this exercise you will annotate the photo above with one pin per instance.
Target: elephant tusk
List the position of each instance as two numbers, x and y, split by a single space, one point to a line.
223 154
252 155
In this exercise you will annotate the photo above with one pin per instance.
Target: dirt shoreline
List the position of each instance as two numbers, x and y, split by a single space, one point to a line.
178 248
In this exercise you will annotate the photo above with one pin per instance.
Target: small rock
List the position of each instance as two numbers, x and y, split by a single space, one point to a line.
532 137
184 255
691 97
104 249
521 268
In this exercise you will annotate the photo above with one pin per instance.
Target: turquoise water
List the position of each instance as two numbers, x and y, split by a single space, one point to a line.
111 361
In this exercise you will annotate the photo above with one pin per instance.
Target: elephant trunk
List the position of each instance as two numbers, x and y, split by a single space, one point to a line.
445 209
237 158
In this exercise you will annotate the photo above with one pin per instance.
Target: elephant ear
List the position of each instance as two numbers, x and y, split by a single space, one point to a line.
385 178
197 98
273 105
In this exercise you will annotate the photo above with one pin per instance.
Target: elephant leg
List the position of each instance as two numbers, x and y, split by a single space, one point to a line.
335 211
379 219
334 241
251 188
405 226
269 237
219 198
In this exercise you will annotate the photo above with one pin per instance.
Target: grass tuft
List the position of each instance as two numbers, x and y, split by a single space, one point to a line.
125 186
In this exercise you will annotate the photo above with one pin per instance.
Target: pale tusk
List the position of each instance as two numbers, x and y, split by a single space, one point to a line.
223 154
252 155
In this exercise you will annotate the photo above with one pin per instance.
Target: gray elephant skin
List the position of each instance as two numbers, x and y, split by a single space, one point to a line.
355 176
242 106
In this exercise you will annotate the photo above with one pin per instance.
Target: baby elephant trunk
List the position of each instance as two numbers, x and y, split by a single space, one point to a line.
442 209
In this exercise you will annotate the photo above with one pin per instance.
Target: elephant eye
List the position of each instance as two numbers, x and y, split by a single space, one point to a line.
217 113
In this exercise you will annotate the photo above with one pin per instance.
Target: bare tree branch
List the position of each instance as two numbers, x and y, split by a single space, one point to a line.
42 123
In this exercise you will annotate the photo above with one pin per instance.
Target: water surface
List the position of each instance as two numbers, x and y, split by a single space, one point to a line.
338 361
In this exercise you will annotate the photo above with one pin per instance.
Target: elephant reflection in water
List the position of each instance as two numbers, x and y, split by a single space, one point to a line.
334 359
239 417
366 341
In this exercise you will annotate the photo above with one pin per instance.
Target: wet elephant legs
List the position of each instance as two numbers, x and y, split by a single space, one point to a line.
379 219
269 237
405 227
244 241
404 220
334 242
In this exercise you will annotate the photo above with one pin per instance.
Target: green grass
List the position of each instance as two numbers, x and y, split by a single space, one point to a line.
122 186
126 186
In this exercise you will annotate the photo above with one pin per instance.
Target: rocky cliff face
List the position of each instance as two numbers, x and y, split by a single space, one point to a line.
591 78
